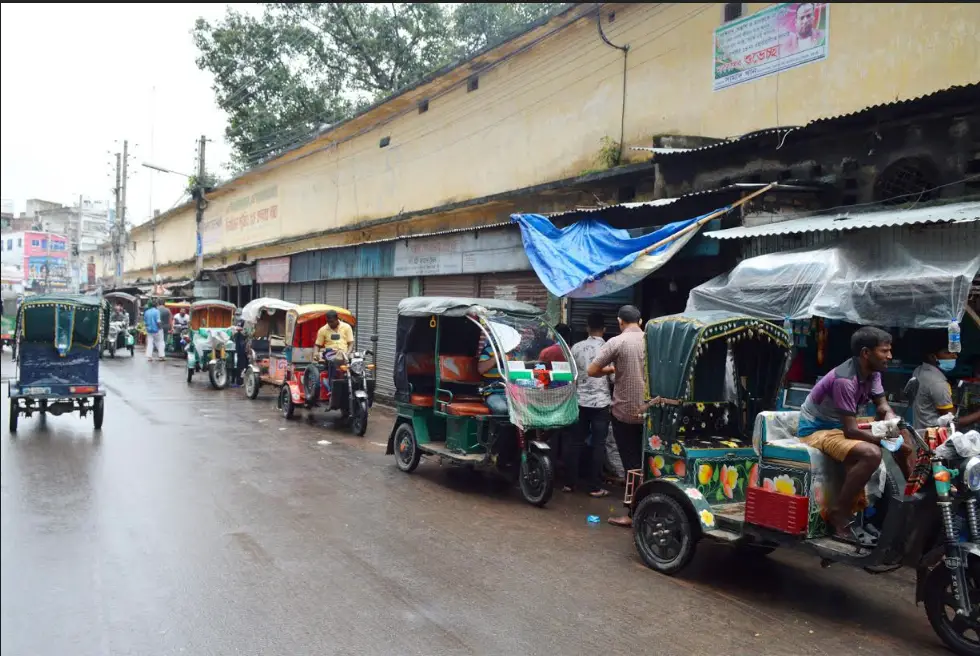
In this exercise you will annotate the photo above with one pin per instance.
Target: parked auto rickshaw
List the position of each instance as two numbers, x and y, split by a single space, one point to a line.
121 335
720 464
306 376
265 326
58 341
173 346
446 404
208 342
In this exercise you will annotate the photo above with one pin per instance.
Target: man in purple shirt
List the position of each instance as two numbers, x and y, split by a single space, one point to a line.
828 421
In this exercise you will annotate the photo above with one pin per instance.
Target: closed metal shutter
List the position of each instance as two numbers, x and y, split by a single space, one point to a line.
579 310
365 310
523 286
390 292
320 291
291 292
307 293
464 286
272 290
336 293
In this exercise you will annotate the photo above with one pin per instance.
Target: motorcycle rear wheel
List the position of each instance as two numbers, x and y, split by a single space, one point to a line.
955 632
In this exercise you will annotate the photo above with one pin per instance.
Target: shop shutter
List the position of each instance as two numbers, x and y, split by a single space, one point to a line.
365 310
320 292
272 290
307 293
464 286
579 310
390 292
336 293
291 292
523 286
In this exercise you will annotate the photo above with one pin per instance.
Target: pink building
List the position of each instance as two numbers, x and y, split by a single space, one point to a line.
41 257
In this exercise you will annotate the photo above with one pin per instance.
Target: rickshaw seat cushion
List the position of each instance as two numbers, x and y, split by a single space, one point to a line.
467 409
420 364
423 400
774 436
459 369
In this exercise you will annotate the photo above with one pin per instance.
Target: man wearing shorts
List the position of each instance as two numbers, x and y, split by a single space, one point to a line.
828 420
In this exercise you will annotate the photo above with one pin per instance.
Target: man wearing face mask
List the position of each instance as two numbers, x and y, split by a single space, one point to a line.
933 398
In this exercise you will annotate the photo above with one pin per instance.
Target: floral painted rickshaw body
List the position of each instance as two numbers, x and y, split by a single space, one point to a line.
719 463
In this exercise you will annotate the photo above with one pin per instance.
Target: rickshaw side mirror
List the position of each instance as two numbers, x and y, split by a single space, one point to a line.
374 338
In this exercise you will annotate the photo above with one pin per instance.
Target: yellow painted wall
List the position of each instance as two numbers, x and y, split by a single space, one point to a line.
539 117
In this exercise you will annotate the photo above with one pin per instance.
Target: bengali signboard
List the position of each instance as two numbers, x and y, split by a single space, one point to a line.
273 270
246 220
469 252
771 41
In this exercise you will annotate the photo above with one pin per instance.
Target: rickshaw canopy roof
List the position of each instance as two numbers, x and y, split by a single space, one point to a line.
123 295
450 306
672 340
79 300
198 305
253 309
304 313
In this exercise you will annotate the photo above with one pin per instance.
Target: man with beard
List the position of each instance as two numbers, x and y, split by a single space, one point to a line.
829 423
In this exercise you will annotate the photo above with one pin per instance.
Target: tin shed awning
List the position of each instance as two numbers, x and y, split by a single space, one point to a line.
953 213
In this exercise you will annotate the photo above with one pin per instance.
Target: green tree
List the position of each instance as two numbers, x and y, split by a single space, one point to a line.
299 67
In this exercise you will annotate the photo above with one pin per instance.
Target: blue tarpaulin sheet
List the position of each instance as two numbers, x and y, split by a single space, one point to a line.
591 258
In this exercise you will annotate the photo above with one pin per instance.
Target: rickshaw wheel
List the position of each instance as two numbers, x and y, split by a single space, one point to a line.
98 412
663 534
407 453
14 413
218 375
537 479
251 384
286 405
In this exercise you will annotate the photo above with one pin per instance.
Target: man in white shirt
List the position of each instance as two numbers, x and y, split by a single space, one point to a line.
593 410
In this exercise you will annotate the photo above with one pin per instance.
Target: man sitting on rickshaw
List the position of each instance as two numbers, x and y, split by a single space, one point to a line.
335 341
119 314
487 366
828 422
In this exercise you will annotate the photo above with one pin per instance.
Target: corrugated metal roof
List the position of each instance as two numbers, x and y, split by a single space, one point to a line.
885 111
660 202
954 213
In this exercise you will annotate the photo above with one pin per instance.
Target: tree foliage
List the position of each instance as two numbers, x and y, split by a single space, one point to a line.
300 67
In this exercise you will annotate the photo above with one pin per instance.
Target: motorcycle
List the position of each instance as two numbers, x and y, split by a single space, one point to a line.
352 392
120 337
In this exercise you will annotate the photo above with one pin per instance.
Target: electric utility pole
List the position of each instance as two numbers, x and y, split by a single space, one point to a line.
121 251
115 224
76 250
198 194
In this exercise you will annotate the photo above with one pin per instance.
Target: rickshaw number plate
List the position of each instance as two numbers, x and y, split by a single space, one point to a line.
36 390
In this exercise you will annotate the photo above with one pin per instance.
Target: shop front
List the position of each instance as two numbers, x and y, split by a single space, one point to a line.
371 279
887 271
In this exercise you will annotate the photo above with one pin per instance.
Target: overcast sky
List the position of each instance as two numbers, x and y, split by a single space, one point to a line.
77 79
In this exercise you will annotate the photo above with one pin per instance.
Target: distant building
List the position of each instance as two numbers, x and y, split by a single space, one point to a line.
40 259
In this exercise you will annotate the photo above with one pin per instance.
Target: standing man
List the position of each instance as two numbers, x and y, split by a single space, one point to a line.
165 319
930 394
554 353
154 336
593 411
625 355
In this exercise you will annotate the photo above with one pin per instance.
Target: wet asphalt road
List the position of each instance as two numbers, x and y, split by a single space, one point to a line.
199 522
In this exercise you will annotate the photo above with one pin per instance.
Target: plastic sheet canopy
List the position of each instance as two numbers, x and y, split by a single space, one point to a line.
893 285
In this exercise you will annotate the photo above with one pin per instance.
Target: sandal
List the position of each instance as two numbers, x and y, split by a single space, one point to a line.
855 534
568 489
598 494
625 522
